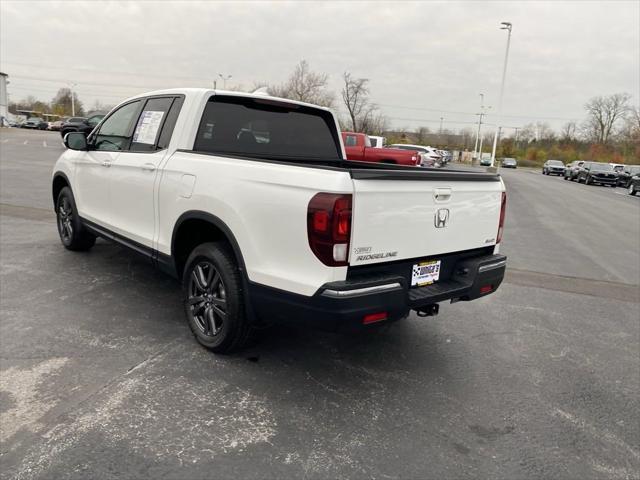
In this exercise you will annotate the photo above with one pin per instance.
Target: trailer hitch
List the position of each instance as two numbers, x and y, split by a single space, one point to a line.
428 311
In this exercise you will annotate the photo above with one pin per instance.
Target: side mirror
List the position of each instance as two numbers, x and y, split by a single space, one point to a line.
75 141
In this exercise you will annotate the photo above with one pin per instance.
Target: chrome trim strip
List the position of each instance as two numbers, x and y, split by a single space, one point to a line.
491 266
361 291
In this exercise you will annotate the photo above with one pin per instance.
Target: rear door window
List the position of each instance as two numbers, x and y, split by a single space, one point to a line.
268 129
150 125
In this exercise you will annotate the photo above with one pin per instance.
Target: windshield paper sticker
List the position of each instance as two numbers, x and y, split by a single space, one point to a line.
148 126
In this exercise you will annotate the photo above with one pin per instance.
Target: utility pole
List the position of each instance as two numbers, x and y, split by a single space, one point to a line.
505 26
475 146
516 141
441 120
215 84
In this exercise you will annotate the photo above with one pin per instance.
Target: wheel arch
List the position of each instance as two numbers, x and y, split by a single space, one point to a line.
60 180
202 226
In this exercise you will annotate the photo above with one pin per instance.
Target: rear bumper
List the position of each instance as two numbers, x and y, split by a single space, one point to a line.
344 305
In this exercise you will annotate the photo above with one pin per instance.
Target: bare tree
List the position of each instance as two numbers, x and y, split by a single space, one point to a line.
364 116
305 85
568 132
603 113
421 135
62 102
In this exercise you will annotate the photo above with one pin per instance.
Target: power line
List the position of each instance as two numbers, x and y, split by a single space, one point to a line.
92 70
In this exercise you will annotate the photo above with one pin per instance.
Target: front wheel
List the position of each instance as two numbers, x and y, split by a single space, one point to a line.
214 299
72 233
632 190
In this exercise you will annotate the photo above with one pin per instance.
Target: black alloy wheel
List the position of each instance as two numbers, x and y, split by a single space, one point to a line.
207 299
73 234
214 298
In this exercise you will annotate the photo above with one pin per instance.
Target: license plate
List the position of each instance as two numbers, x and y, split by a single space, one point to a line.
425 273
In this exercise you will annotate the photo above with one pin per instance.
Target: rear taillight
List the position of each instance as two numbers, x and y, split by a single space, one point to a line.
329 227
503 208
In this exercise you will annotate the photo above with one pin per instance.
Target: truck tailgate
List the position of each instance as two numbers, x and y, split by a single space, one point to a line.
400 216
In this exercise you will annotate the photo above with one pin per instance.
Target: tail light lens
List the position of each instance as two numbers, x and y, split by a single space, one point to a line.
503 208
329 227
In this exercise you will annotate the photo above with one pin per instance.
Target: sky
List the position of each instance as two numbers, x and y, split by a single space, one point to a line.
425 60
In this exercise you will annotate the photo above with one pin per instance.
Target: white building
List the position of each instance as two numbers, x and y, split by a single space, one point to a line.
4 102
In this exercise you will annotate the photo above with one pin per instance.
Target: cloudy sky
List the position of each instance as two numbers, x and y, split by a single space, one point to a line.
424 59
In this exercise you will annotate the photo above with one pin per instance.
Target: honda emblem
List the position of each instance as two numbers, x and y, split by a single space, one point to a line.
441 217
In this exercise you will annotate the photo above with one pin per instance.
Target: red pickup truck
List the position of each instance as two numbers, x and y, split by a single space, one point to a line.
358 147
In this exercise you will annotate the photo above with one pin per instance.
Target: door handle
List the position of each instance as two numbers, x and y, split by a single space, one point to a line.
148 167
106 164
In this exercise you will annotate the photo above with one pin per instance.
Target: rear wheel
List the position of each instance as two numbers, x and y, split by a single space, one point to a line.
72 233
587 180
214 300
632 190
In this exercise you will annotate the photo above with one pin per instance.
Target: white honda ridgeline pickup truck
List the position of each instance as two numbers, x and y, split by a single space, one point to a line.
248 199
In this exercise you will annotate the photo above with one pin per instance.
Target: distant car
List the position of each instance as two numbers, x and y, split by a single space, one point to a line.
595 173
485 161
429 156
35 123
572 169
447 156
553 167
624 177
509 163
80 124
634 185
55 126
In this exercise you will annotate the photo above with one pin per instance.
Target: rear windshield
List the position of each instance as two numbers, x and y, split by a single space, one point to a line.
266 128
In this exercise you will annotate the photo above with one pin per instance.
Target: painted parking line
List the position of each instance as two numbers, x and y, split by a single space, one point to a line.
5 140
25 142
44 143
626 195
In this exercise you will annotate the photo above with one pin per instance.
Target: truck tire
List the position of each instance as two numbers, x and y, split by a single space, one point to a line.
72 233
214 299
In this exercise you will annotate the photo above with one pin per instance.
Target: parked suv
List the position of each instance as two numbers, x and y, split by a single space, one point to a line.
598 173
572 169
80 124
553 167
35 123
251 202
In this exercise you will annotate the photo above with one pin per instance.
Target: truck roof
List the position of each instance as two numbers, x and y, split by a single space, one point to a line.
188 91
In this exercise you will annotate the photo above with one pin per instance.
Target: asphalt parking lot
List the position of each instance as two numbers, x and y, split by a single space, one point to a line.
100 377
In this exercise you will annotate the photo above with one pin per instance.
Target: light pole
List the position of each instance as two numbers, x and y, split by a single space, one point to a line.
504 26
224 80
73 102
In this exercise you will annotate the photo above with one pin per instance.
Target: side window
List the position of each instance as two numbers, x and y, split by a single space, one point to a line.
115 133
351 141
149 124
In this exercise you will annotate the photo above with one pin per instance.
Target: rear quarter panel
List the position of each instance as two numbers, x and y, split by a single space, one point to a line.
265 207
